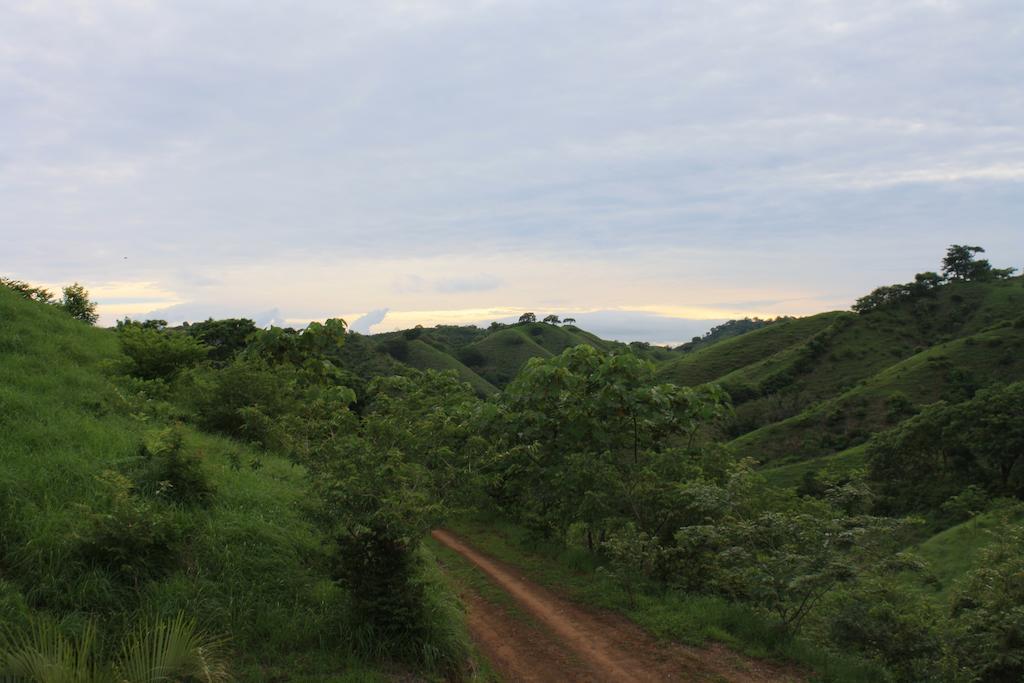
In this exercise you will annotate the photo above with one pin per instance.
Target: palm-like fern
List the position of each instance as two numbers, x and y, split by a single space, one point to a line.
159 652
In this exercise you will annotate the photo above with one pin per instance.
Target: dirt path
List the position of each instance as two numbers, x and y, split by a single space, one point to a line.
573 643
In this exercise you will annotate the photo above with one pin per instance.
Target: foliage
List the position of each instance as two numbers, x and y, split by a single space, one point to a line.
884 621
588 437
167 472
224 338
131 538
551 319
936 454
376 506
158 354
381 484
989 612
30 292
75 301
160 651
528 318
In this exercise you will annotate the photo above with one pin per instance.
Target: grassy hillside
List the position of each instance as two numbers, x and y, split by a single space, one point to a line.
76 540
423 356
951 371
499 356
718 360
855 347
953 552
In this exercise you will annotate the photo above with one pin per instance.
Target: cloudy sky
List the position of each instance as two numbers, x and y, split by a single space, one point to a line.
648 167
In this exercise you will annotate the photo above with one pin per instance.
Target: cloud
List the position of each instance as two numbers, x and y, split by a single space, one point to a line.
364 323
477 283
196 312
823 142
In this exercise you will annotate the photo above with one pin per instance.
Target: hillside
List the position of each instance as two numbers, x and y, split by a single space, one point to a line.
486 359
79 539
950 371
716 361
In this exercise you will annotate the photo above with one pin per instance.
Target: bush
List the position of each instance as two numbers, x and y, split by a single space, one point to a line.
471 356
131 539
167 472
989 612
887 623
155 354
396 347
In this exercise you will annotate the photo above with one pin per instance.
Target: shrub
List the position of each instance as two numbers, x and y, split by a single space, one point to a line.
396 347
156 354
132 539
471 356
989 612
168 472
887 623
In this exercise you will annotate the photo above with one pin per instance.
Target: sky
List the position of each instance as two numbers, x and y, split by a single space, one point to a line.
649 168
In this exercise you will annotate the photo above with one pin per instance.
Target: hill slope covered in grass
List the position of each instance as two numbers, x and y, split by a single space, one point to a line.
81 539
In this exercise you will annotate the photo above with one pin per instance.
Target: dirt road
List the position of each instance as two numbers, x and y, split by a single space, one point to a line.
569 642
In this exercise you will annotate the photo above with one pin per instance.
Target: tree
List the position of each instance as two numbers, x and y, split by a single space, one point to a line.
224 337
158 354
989 611
551 319
588 437
76 302
960 264
28 291
569 321
527 318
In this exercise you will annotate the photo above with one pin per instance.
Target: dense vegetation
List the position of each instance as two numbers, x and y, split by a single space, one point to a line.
799 488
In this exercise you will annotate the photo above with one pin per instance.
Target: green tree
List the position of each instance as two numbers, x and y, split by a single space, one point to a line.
589 437
76 302
528 318
988 609
156 354
959 262
28 291
225 338
551 319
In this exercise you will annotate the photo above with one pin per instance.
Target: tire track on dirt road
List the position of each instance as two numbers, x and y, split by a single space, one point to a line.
587 644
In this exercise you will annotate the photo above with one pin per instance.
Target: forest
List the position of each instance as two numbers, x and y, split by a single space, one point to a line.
838 495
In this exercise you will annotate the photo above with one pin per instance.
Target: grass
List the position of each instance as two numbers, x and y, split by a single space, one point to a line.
718 360
671 615
503 353
955 551
792 475
423 356
992 355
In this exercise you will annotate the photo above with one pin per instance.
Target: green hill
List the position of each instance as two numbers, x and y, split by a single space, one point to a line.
950 371
423 356
853 348
714 362
499 356
77 540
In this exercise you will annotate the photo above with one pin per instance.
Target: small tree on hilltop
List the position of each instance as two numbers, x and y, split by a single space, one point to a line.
528 318
552 319
76 302
960 264
568 321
